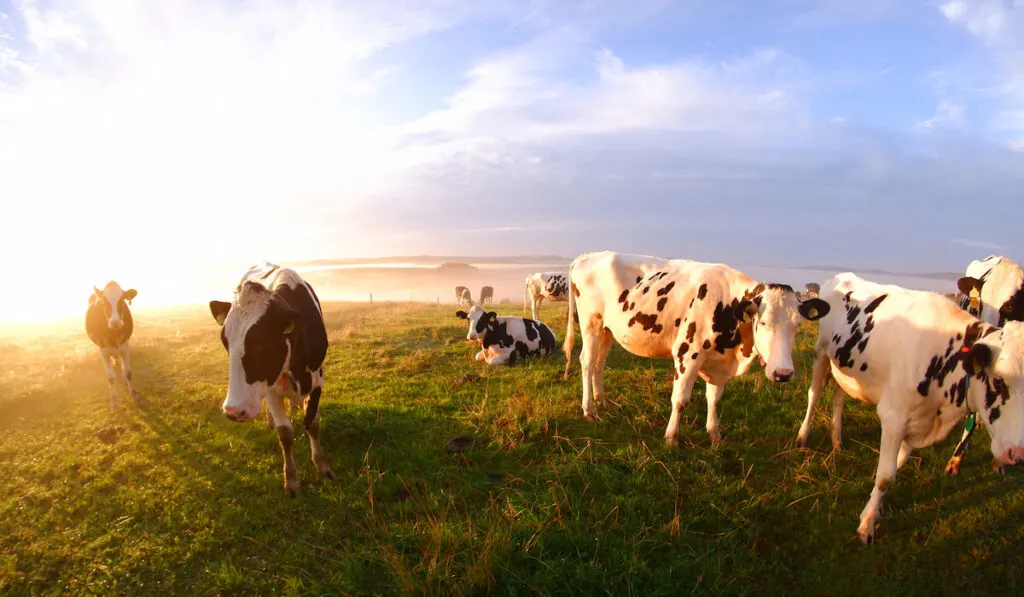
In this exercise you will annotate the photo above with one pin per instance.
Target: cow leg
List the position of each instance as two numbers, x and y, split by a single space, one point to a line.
481 355
819 372
286 437
589 351
714 396
126 371
501 357
317 451
111 377
838 403
536 305
603 347
682 387
904 455
893 431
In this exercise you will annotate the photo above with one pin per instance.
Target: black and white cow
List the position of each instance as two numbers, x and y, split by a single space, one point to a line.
553 286
486 295
923 363
710 319
993 291
274 333
505 340
109 324
462 295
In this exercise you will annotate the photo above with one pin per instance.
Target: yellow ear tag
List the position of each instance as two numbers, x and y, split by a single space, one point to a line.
812 312
747 317
289 329
975 298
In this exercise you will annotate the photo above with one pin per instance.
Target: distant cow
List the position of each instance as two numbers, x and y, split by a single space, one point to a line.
923 363
486 295
811 289
710 319
553 286
993 291
504 340
462 295
276 341
109 324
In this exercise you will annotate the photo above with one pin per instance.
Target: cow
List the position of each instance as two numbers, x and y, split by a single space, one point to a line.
811 289
462 295
109 324
710 319
553 286
486 295
992 290
923 363
276 341
505 340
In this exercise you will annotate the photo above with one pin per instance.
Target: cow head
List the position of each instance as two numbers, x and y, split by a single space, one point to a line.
478 321
258 331
114 302
997 389
774 312
971 288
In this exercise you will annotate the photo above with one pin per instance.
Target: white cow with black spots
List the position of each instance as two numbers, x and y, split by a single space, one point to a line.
276 341
923 363
505 340
553 286
713 321
993 291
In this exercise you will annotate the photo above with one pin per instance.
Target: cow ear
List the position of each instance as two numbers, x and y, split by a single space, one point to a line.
814 309
220 309
749 311
130 294
97 291
979 357
492 315
966 284
461 314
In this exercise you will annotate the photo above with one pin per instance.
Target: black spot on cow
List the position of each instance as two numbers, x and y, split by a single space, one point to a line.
725 323
638 278
874 304
1013 308
691 331
666 289
678 321
547 339
993 414
702 291
863 366
622 297
852 313
683 349
694 357
649 322
661 303
863 344
706 345
575 289
530 328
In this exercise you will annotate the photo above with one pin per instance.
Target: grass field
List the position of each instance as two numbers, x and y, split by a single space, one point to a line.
176 499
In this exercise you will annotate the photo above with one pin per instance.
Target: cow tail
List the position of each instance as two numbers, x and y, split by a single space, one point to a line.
570 330
526 295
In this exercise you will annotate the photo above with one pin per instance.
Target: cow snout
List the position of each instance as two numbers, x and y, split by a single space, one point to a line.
1013 455
237 414
782 374
115 324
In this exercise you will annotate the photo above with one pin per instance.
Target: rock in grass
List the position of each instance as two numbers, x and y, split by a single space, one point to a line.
460 444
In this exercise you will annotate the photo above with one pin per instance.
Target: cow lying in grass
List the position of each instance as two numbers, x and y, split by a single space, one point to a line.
923 363
504 340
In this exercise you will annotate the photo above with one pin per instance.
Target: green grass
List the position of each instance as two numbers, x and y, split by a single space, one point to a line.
187 502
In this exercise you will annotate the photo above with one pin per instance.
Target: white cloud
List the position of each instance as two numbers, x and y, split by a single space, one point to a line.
979 244
999 25
947 113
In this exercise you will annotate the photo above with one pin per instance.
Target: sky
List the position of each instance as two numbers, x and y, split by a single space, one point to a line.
870 133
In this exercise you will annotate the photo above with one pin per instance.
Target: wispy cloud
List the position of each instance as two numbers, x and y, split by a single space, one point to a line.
979 244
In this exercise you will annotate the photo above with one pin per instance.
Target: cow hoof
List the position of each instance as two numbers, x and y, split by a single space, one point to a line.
672 442
867 537
837 446
292 488
716 437
325 470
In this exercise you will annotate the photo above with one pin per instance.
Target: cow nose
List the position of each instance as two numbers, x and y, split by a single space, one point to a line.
118 324
235 413
782 374
1013 455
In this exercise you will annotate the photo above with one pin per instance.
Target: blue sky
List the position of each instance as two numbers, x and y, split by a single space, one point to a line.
865 134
